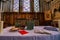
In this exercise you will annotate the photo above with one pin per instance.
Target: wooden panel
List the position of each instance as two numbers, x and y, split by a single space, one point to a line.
11 17
36 22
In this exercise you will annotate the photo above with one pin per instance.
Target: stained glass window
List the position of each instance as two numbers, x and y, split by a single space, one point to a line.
36 5
26 5
16 6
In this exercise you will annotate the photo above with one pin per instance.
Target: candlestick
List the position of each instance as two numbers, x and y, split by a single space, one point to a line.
59 24
1 27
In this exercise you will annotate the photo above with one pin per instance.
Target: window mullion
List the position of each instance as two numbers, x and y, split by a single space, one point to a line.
32 5
20 5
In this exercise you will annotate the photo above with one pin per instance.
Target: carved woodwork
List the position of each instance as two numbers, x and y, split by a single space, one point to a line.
11 17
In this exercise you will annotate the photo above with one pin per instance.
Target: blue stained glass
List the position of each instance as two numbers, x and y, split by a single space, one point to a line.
26 5
16 6
36 5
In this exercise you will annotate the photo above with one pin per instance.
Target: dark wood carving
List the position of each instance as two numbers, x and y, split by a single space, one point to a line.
10 17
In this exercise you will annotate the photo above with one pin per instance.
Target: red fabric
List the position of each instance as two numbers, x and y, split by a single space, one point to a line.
23 32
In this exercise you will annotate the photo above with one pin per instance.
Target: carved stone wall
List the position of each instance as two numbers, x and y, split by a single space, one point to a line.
55 4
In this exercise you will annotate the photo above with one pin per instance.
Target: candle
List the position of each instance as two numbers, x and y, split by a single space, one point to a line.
1 27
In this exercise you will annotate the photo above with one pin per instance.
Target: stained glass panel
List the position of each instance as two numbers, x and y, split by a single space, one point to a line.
16 6
26 5
36 5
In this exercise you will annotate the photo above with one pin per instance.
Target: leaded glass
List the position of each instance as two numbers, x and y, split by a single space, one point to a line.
16 6
26 5
36 5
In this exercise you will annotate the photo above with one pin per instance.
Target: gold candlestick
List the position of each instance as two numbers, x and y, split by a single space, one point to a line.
1 27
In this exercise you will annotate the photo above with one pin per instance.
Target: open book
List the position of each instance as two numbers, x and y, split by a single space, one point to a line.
41 31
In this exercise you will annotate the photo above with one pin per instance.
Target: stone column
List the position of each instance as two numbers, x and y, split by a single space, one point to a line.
11 5
40 5
20 5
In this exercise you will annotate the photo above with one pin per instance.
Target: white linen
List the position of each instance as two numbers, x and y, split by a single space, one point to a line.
31 32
